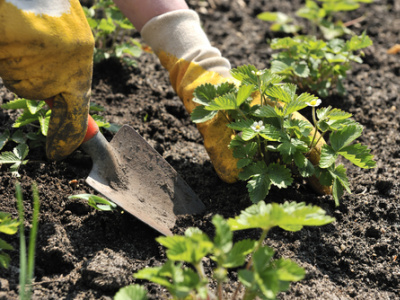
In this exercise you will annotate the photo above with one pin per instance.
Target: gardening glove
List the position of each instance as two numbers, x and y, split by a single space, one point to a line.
46 50
185 51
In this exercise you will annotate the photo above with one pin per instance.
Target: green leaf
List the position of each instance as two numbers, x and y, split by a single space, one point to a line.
288 270
246 74
44 122
18 137
34 106
301 69
266 111
4 138
340 174
244 93
19 103
5 260
7 224
179 282
131 292
328 156
241 124
306 168
226 102
358 42
223 234
237 255
200 114
190 248
96 202
279 93
358 155
258 187
344 137
289 216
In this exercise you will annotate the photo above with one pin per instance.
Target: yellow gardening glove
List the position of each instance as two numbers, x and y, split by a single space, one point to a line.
185 51
46 50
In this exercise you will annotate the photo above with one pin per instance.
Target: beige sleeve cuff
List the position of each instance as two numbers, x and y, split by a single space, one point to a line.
179 33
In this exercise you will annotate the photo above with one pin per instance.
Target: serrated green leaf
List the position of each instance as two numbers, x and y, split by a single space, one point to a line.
248 134
266 111
44 122
5 246
270 133
279 94
345 136
131 292
358 42
19 103
34 106
243 94
4 138
5 260
8 225
328 156
241 124
190 248
258 187
223 234
226 102
301 69
279 175
19 137
246 74
200 114
290 216
288 270
306 168
359 155
337 191
237 255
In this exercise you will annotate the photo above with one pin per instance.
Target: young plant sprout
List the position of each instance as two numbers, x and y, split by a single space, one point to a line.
271 142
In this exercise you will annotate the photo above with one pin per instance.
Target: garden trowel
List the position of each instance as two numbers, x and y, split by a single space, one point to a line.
130 173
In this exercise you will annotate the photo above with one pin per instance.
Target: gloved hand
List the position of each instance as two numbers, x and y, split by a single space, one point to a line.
46 50
185 51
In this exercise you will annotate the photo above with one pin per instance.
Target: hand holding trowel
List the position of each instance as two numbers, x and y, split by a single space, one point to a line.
129 172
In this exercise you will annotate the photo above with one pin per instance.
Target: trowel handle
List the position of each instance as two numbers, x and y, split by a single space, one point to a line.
92 128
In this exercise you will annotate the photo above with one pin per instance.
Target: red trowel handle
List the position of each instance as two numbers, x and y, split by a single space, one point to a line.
92 128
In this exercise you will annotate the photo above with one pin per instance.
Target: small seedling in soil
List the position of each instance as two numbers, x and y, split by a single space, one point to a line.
111 31
36 116
7 226
260 274
271 145
316 65
96 202
318 61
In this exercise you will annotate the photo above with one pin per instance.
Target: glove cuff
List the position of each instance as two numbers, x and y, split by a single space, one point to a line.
179 34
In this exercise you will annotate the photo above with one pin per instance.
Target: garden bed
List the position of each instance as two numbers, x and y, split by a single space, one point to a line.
87 254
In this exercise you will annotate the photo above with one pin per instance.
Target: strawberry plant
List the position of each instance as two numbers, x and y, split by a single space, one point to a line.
260 274
322 16
271 145
317 61
108 24
36 116
7 226
316 65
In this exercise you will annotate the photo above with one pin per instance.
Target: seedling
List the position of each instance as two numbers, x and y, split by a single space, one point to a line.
318 60
316 65
96 202
27 258
7 226
271 145
36 116
322 16
260 274
108 24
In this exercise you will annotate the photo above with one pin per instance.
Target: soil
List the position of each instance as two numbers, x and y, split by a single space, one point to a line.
88 254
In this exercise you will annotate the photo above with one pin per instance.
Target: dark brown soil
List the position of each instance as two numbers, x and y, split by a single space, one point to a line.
86 254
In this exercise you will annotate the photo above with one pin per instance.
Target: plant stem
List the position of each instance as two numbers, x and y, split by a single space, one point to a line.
315 128
22 243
